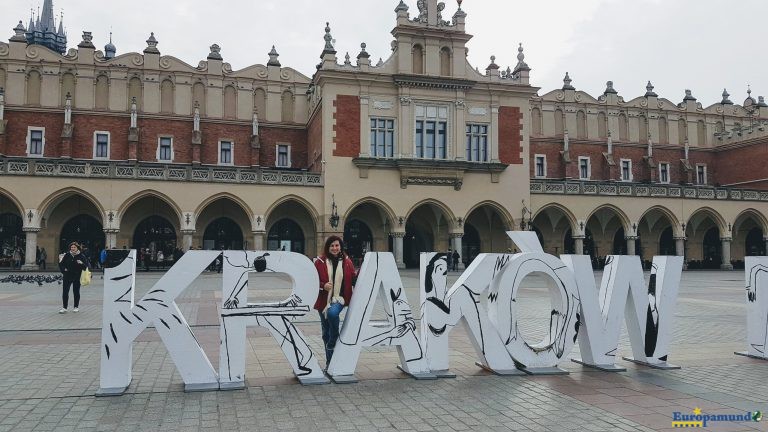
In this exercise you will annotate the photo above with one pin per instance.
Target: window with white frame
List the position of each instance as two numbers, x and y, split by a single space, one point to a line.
701 174
101 145
585 168
477 143
540 169
626 170
165 149
431 132
663 172
35 141
382 137
283 158
226 152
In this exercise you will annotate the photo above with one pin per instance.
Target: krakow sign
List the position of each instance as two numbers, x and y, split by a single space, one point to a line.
483 298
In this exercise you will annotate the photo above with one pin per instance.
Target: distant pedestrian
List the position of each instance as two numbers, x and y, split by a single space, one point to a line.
456 257
160 259
17 258
72 265
43 258
147 259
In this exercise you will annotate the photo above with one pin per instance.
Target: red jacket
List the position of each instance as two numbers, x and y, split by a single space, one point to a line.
346 284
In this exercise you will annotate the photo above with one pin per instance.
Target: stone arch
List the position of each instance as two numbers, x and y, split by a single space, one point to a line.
4 193
135 88
536 121
150 193
167 90
446 210
623 127
425 230
581 124
67 88
286 213
571 218
559 122
384 207
226 195
748 234
34 87
51 201
625 222
260 102
716 217
102 92
198 97
304 203
417 59
755 214
669 214
230 102
287 106
554 222
446 54
663 130
602 125
509 221
488 223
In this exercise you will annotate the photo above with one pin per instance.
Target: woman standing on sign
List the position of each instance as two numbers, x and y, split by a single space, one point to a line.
337 274
72 265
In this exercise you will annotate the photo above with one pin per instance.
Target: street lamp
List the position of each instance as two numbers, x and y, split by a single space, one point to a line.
334 219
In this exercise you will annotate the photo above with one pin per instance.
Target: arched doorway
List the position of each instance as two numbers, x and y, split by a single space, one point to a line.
570 244
223 234
606 233
11 237
712 248
552 223
286 235
358 240
87 231
667 243
426 230
620 244
471 246
377 218
754 245
155 233
291 226
491 223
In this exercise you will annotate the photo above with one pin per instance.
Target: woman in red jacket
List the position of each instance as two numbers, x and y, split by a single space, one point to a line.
337 275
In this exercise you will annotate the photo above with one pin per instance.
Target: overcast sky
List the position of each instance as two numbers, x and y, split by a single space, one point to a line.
702 45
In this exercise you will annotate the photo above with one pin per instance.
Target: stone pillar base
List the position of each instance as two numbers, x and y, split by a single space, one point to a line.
726 267
30 267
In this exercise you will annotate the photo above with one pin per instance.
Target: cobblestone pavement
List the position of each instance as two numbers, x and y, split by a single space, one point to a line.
49 366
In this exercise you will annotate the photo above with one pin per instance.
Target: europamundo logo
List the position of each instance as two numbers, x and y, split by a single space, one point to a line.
699 419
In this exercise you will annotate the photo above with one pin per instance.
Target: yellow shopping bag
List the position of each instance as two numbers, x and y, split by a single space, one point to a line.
85 278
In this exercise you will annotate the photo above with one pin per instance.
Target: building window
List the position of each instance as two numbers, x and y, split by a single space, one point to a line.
541 166
382 137
283 156
431 132
226 150
701 174
626 170
165 149
101 145
477 143
585 168
35 141
664 172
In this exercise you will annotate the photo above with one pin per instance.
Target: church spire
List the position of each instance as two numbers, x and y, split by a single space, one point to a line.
42 29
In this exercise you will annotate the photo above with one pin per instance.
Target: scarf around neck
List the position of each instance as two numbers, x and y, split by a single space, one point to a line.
336 278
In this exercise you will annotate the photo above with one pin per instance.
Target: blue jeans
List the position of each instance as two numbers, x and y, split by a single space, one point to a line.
330 325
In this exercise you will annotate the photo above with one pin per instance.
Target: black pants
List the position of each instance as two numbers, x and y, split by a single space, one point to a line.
75 284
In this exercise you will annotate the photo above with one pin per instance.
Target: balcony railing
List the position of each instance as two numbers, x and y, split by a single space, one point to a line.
567 187
176 172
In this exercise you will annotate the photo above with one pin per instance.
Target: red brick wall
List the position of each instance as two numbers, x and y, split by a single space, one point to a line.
315 142
556 168
150 130
742 164
510 148
297 138
16 131
347 126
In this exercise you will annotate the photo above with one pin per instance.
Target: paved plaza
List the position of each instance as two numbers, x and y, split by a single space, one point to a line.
49 372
